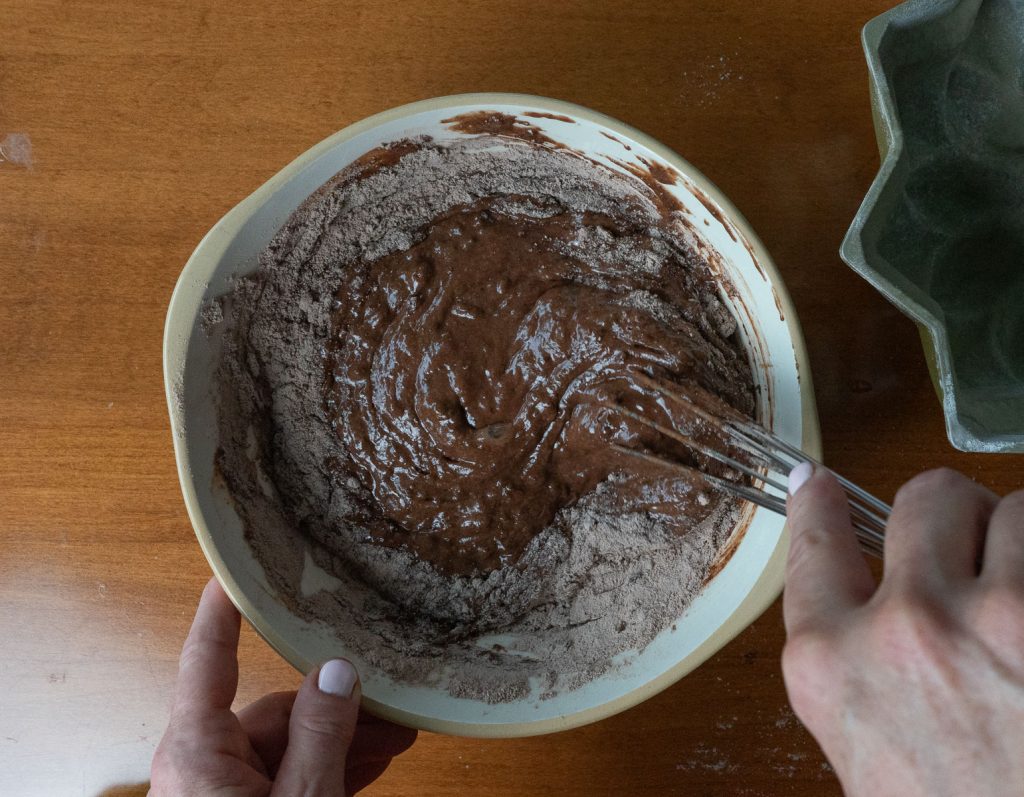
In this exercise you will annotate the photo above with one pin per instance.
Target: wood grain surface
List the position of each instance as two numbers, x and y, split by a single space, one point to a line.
149 120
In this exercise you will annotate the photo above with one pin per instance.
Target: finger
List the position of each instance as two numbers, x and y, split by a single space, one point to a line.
378 740
208 668
265 722
320 731
937 529
826 575
362 776
1004 543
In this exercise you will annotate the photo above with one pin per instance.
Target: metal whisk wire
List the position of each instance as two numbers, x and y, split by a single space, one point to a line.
769 456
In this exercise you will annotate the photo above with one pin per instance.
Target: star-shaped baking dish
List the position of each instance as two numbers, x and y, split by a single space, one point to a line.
941 230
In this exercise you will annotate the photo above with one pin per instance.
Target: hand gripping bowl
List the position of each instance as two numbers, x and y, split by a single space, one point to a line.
746 583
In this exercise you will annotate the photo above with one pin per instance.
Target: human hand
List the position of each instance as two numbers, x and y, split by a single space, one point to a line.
914 686
313 742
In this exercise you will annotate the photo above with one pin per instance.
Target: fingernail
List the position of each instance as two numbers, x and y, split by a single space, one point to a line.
800 474
337 677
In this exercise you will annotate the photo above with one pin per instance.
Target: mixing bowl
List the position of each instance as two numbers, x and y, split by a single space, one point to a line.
749 577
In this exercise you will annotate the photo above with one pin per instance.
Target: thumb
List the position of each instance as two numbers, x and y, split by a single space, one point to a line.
322 724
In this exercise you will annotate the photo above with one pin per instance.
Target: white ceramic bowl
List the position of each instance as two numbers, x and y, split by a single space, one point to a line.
749 581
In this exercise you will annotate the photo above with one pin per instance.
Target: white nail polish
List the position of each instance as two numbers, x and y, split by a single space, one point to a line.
800 474
337 677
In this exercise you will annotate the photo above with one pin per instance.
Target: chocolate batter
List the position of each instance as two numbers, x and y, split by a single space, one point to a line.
472 379
417 389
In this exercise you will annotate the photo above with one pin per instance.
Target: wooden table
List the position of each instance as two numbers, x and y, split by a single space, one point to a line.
148 121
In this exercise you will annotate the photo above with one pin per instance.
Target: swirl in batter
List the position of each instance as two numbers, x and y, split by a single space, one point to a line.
472 378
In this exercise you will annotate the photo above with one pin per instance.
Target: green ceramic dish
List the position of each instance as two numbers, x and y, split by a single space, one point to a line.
941 230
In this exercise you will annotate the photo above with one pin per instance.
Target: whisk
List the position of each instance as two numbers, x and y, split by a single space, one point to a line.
769 456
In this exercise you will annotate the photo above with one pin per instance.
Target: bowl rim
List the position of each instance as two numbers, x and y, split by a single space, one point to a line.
769 583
